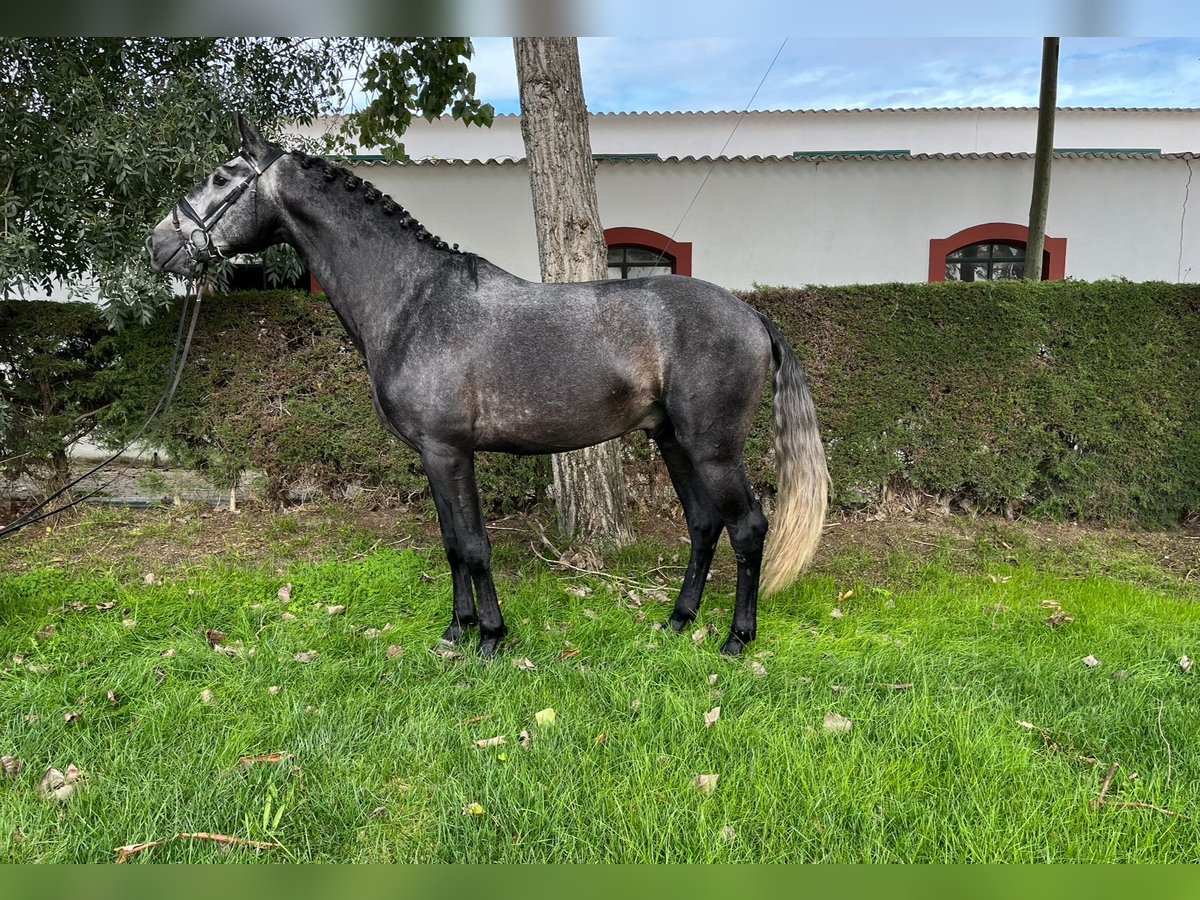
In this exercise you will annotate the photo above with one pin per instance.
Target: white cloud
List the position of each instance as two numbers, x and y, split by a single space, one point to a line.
635 74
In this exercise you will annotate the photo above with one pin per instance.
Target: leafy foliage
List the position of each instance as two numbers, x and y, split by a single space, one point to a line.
102 133
50 385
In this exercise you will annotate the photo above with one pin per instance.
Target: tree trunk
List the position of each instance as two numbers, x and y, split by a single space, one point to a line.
1043 156
589 484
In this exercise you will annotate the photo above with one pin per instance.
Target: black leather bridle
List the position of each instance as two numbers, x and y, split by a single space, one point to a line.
201 251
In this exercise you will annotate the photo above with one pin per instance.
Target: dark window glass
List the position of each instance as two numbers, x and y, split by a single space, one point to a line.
986 262
638 262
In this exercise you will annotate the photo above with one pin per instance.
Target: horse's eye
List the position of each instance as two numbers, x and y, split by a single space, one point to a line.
220 180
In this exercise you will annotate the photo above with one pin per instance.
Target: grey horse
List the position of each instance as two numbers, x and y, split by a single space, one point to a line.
464 356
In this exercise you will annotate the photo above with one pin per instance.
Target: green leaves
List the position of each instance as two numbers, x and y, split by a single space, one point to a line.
103 134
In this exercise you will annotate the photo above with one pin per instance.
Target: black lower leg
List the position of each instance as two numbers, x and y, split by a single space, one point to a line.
704 528
463 617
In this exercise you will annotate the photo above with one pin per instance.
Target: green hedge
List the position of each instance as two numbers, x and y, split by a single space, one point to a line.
1065 400
1071 399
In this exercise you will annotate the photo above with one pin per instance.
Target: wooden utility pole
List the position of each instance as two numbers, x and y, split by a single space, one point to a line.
1043 156
589 485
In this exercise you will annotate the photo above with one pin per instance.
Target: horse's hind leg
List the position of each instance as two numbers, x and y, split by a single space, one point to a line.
464 616
724 479
703 522
452 474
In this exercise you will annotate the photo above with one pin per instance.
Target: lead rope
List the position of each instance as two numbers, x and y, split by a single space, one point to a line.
174 376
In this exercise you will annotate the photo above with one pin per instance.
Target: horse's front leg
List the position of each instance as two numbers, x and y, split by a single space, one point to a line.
452 475
464 617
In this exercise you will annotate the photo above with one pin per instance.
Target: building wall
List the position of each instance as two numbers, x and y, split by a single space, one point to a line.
1002 130
833 221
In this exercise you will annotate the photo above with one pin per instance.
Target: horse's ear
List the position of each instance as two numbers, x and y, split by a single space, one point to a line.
251 139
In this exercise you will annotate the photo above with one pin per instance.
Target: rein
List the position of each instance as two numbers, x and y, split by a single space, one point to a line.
201 254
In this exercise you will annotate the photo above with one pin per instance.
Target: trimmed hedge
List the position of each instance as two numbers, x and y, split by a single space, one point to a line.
1071 399
1066 400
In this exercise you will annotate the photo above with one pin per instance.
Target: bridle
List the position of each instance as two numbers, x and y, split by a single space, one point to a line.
201 252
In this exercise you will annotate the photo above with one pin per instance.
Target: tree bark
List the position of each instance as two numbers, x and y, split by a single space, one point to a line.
589 484
1043 156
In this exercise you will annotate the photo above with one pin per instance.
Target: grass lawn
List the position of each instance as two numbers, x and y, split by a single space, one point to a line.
939 655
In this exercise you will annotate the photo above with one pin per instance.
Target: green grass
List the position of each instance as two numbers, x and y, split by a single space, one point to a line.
382 749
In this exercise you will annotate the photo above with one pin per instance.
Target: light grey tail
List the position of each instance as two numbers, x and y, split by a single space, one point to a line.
803 477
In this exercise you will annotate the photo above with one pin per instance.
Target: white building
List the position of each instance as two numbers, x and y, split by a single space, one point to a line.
832 196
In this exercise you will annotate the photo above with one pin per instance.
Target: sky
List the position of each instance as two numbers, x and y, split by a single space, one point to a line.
625 74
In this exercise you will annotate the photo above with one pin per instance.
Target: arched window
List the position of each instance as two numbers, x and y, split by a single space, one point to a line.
992 252
638 252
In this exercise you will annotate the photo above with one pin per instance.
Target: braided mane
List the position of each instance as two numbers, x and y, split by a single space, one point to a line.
371 195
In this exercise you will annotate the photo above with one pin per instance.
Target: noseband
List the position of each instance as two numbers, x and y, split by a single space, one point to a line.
201 251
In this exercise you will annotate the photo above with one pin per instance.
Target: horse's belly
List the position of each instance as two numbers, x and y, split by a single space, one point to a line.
553 429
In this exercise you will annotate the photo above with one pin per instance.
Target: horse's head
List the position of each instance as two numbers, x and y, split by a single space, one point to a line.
230 212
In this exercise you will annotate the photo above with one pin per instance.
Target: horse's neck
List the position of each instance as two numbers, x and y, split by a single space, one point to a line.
367 265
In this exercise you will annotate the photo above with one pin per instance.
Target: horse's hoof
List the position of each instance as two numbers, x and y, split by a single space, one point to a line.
733 646
678 622
488 647
456 633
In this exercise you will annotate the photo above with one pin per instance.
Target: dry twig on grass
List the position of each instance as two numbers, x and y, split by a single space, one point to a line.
123 853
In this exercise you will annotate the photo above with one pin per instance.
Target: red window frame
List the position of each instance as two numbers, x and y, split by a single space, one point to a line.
1054 251
652 240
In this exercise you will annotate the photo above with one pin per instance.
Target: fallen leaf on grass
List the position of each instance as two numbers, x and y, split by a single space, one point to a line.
1090 661
578 590
525 664
337 610
602 738
712 717
56 785
246 762
1059 618
728 834
169 653
498 741
149 578
285 593
71 717
394 650
589 614
306 656
1185 663
215 637
1000 579
372 633
836 613
712 679
845 595
473 809
274 689
837 724
129 623
757 668
568 653
447 652
700 635
545 717
287 617
526 740
11 766
46 633
705 784
206 697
